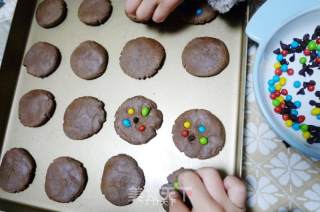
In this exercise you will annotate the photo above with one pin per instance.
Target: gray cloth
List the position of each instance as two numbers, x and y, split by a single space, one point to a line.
223 6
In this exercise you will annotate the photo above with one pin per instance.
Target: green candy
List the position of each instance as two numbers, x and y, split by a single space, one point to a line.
312 45
145 111
276 102
318 48
304 128
203 140
176 185
303 60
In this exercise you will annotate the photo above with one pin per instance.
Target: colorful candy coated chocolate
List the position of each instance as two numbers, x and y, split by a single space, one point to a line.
199 11
304 127
131 111
297 84
141 128
185 133
187 124
202 129
203 140
126 123
145 111
315 111
312 45
306 135
289 123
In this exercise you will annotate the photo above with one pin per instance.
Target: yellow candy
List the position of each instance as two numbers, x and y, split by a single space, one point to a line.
315 111
278 87
187 124
280 98
306 135
288 123
130 111
277 65
283 81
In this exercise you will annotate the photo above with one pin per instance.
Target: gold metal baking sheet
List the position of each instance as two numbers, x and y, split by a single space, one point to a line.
173 89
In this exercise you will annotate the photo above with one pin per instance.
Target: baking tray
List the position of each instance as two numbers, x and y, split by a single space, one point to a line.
173 89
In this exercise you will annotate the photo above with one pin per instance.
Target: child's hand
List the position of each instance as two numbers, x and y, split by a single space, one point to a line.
157 10
208 193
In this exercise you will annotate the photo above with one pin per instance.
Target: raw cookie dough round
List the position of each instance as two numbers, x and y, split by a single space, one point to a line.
17 170
142 57
173 185
196 12
94 12
36 108
51 13
205 57
122 180
42 59
137 120
65 180
83 118
89 60
199 134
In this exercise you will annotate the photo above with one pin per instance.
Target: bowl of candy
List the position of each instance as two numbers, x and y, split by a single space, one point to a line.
287 70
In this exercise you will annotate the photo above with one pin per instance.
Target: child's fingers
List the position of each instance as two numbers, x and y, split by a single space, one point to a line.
236 191
176 204
192 185
214 184
131 6
164 9
145 10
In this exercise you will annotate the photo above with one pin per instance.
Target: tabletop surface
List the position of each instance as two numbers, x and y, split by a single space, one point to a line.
278 178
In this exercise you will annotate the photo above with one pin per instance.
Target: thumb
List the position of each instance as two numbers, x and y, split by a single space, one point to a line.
176 204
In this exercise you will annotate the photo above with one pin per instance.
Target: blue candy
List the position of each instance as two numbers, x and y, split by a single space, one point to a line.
284 67
271 89
297 84
294 112
202 129
294 44
199 11
297 104
271 82
318 117
296 126
126 123
288 97
276 78
279 57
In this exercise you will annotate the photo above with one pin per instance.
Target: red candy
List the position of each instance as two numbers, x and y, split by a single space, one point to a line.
185 133
277 109
278 72
284 92
283 105
290 71
318 60
307 52
277 93
273 96
284 53
318 41
141 128
301 118
285 117
310 88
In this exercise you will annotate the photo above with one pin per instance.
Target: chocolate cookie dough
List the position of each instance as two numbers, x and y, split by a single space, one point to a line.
51 13
65 180
83 118
42 59
122 180
17 170
173 185
137 120
196 12
142 57
94 12
205 57
89 60
199 134
36 108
